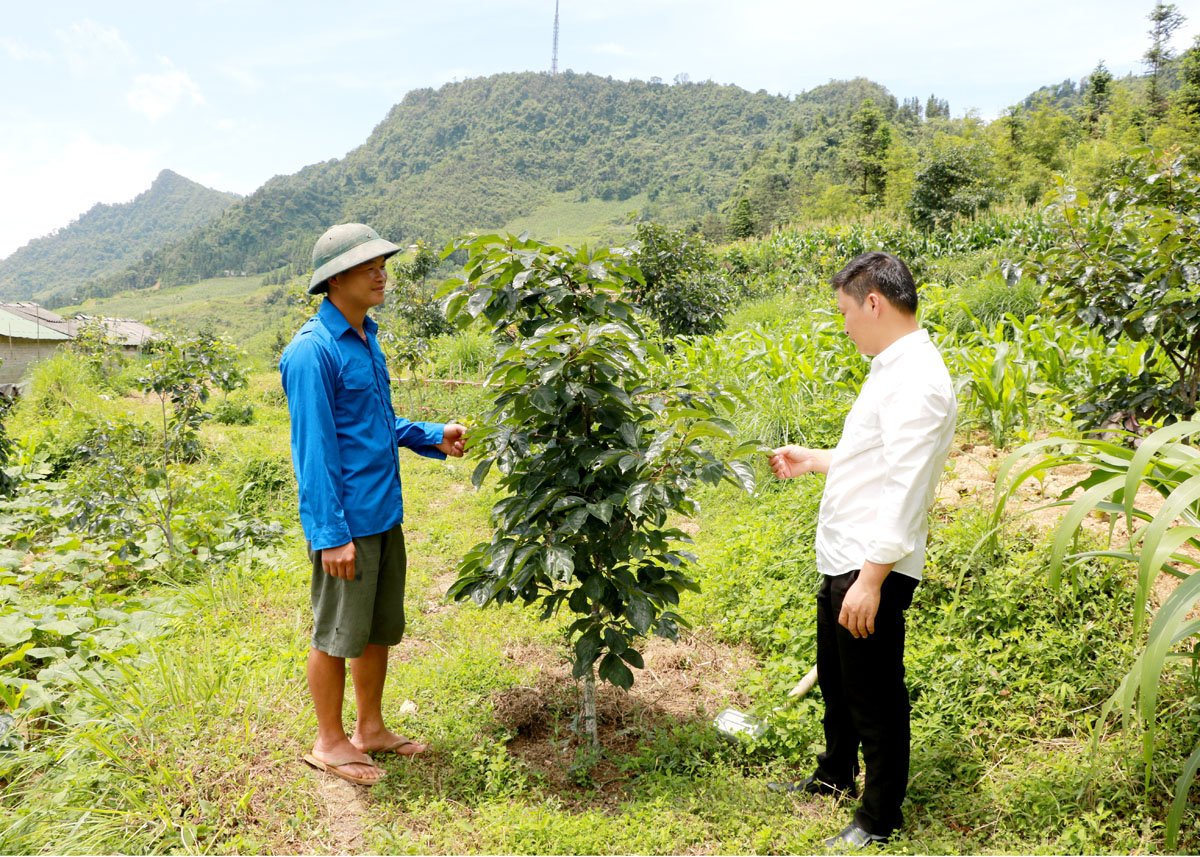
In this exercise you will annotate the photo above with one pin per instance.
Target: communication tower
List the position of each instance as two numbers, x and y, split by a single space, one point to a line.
554 56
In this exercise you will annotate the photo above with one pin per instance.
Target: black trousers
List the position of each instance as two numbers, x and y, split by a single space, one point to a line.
866 700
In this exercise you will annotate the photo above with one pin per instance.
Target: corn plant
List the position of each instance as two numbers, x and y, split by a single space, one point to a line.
993 370
1167 464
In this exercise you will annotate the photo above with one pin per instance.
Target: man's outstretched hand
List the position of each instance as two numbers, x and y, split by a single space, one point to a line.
453 439
791 460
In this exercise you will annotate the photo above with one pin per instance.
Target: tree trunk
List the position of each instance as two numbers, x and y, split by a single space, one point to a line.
589 706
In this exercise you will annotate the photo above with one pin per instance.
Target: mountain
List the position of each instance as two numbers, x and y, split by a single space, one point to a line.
483 153
109 238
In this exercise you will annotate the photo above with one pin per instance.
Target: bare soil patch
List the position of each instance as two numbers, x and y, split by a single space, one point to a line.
346 814
685 682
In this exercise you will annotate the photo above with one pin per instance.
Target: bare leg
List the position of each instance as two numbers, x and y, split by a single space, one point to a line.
370 733
327 685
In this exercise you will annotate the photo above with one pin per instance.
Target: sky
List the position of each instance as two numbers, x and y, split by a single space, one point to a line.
97 98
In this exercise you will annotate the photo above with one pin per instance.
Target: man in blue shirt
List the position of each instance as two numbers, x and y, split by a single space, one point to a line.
345 437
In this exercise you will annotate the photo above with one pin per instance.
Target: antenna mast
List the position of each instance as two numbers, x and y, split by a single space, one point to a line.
554 56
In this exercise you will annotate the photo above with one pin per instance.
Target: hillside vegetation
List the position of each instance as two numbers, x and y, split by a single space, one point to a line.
480 154
108 238
576 156
154 580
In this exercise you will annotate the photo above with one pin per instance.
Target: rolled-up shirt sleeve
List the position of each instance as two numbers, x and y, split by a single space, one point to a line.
912 427
308 381
421 438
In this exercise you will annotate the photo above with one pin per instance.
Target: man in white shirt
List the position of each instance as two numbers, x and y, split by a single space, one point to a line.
870 543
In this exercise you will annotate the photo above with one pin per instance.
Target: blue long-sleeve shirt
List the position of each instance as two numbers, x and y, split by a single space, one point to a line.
345 434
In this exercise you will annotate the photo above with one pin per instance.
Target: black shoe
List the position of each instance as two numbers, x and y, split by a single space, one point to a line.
854 838
813 786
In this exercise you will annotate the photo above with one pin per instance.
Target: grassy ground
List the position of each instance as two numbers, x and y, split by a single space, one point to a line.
200 751
566 220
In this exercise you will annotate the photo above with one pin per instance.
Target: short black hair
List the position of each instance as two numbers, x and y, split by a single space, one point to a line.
879 272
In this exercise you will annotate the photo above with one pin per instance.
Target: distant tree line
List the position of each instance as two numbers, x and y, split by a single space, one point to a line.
876 155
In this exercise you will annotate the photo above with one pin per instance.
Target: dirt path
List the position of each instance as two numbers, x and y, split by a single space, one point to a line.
346 813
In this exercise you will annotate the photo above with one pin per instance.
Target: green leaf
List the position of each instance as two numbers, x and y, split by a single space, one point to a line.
44 652
628 462
587 647
481 471
1182 786
478 300
613 670
634 658
545 399
640 612
711 428
595 587
602 510
743 473
17 655
14 630
560 563
637 495
61 627
575 520
659 444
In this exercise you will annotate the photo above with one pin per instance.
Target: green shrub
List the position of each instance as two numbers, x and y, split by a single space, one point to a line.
982 301
772 311
1128 266
795 383
465 354
233 412
7 482
684 290
262 479
61 407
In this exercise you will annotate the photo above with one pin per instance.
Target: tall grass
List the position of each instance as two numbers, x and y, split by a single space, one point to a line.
1155 543
795 382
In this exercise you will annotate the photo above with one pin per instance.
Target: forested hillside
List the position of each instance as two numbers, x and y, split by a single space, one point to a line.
108 238
477 154
515 148
856 157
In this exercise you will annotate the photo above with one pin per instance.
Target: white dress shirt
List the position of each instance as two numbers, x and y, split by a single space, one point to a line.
884 472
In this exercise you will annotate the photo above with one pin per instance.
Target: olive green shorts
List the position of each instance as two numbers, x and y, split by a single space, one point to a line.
349 615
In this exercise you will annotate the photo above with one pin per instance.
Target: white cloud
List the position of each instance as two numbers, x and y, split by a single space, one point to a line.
88 47
52 178
242 76
156 95
21 52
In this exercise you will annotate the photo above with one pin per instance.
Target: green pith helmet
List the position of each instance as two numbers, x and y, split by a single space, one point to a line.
343 247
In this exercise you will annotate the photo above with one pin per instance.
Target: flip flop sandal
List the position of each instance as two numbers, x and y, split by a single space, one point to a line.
399 744
334 766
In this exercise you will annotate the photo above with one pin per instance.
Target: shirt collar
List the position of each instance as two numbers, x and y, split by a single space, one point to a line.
336 323
901 346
